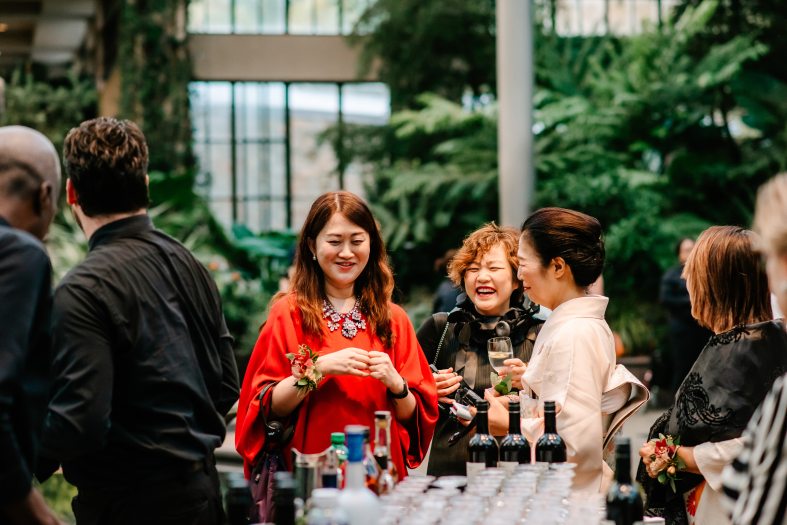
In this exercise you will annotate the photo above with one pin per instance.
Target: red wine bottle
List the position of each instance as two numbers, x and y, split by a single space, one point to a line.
624 503
514 449
482 450
550 447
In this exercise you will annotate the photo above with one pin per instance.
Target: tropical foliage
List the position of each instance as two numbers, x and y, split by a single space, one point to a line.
658 135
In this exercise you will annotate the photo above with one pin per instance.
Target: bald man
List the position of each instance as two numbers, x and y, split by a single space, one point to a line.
29 187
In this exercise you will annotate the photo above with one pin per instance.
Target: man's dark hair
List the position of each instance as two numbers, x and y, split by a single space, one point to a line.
107 161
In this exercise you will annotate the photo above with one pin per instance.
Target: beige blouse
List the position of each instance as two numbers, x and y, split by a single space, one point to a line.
573 362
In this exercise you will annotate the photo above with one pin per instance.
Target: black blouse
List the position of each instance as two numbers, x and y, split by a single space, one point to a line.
464 349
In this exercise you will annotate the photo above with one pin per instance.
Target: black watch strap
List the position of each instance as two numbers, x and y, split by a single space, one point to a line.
402 394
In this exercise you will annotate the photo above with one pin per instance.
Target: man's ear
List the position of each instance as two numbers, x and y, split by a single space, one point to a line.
71 193
44 198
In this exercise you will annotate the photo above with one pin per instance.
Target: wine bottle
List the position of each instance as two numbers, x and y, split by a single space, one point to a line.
624 503
482 450
358 503
550 447
514 449
386 478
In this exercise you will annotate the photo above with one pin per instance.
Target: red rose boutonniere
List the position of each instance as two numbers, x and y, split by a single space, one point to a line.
664 460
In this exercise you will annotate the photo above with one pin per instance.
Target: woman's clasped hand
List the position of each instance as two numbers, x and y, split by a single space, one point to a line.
348 362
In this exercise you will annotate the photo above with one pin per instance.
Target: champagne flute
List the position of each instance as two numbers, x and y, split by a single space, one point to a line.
532 414
499 349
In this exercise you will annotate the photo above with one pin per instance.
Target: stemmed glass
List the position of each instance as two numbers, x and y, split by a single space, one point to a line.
499 349
532 414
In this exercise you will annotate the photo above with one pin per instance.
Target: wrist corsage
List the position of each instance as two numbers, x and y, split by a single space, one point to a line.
664 460
304 369
502 386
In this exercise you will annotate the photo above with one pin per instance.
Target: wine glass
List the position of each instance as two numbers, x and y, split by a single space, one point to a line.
499 349
532 414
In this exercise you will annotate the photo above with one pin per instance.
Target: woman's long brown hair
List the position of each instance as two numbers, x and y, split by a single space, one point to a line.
373 288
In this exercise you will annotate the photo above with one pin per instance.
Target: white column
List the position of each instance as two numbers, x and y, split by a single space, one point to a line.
515 98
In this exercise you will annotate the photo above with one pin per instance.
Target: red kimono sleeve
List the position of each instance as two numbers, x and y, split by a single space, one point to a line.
267 364
416 434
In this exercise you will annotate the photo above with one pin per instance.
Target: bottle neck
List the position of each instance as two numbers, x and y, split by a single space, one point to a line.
355 475
550 426
623 467
514 422
381 439
482 422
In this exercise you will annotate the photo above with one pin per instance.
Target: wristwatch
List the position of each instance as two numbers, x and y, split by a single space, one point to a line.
402 394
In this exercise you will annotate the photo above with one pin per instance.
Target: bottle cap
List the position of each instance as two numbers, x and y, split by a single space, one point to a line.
549 406
382 414
356 435
337 438
482 406
513 404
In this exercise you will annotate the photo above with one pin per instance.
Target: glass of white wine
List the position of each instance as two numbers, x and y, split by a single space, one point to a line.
499 349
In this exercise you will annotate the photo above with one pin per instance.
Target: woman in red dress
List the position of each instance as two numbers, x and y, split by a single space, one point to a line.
339 304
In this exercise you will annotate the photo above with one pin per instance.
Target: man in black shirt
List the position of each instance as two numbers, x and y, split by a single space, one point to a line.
686 337
144 369
29 187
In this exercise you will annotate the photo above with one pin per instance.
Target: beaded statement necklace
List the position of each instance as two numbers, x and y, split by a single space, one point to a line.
350 322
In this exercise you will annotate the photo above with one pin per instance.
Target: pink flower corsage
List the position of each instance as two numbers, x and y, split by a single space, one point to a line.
664 460
304 368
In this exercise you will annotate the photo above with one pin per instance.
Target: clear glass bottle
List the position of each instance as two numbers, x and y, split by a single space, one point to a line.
331 470
370 466
358 503
324 508
387 476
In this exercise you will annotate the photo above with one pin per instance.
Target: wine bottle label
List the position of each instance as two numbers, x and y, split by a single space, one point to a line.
473 469
508 466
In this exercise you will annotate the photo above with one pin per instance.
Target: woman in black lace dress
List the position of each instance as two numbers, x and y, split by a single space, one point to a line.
491 304
729 295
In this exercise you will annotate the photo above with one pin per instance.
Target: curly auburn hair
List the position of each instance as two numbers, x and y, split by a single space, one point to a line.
107 162
373 288
477 244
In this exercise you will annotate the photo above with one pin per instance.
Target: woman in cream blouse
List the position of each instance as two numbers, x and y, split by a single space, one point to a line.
561 253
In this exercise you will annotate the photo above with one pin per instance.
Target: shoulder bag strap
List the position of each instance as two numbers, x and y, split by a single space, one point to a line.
437 317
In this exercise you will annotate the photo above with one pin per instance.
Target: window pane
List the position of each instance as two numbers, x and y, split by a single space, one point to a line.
314 17
259 16
366 103
209 16
353 9
313 109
